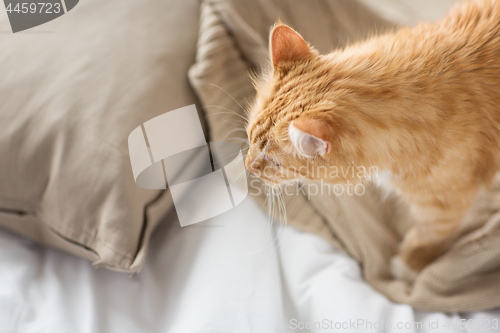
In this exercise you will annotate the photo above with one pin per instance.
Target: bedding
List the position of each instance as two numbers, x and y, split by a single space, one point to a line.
72 90
368 226
219 276
229 274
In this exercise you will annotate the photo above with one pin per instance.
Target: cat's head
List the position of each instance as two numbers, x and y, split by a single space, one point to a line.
292 128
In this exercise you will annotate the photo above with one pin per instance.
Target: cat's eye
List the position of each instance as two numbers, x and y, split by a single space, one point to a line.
276 164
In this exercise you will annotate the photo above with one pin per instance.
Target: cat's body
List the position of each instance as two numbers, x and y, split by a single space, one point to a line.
421 105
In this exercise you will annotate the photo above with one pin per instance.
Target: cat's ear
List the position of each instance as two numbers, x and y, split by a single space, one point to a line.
287 45
309 137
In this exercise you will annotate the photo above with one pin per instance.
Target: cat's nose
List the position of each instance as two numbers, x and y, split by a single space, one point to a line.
250 164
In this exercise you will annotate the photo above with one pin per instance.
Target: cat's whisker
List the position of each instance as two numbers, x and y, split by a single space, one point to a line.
237 138
261 245
234 131
276 211
282 217
240 124
251 164
267 235
244 147
269 221
240 130
274 194
234 99
230 111
228 159
225 122
271 215
236 122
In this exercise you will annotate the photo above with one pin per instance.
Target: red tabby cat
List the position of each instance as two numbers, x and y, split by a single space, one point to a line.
422 105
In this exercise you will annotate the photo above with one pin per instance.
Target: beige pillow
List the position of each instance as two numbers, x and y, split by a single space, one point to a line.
71 92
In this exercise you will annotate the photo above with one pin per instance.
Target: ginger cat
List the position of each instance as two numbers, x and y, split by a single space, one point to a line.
421 104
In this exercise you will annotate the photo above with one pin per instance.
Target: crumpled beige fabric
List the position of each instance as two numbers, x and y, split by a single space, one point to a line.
232 43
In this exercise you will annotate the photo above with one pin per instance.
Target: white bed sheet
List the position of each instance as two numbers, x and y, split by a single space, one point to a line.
223 275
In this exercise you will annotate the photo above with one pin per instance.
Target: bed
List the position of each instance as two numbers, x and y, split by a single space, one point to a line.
223 275
237 272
